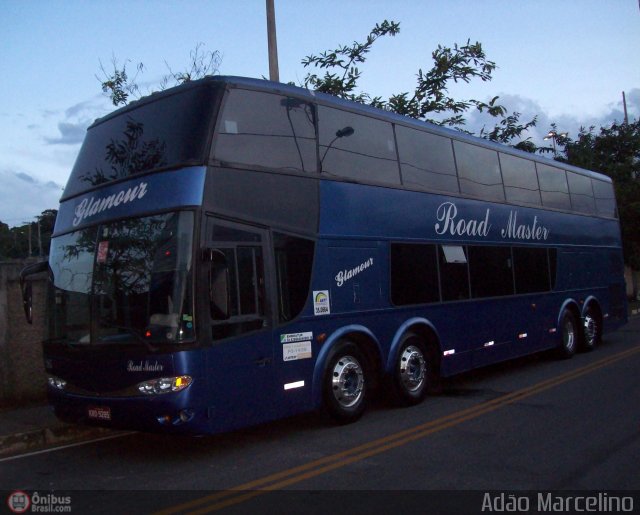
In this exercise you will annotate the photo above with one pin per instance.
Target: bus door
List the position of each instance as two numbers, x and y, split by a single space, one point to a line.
534 308
240 362
492 288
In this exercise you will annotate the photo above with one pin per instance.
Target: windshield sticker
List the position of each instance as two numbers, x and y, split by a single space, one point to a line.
346 275
321 303
103 251
296 350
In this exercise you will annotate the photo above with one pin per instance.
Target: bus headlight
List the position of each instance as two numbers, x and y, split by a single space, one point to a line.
164 385
56 382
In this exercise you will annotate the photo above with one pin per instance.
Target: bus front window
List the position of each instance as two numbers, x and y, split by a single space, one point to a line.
125 282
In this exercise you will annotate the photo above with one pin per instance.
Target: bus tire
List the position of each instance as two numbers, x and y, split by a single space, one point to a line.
412 371
345 383
591 329
569 333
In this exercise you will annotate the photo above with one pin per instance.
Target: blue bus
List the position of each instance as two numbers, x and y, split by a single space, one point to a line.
233 251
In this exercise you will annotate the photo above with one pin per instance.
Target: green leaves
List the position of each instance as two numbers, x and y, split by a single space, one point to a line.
121 88
615 151
117 84
430 100
344 81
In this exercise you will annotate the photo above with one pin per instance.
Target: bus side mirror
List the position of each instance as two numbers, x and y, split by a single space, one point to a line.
219 289
27 289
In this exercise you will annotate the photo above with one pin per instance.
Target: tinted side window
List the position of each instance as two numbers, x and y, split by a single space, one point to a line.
553 267
294 261
426 160
454 272
479 171
605 198
357 147
491 271
581 193
520 180
531 268
272 131
553 187
414 274
244 256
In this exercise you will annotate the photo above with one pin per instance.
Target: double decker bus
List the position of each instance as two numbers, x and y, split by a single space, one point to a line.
233 251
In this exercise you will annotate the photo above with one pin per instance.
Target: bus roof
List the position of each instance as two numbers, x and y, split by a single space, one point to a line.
264 85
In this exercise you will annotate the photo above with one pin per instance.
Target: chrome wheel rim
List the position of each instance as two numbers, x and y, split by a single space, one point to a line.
413 369
569 335
590 330
347 381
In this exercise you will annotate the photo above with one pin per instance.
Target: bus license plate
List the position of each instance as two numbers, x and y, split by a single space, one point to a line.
99 413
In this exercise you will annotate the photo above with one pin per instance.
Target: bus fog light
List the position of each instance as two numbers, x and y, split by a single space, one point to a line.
164 385
57 383
164 419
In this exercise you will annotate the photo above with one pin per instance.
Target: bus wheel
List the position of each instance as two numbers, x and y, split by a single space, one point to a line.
345 387
411 373
592 329
569 330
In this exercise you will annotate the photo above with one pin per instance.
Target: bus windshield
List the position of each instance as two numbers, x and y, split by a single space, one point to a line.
146 136
124 282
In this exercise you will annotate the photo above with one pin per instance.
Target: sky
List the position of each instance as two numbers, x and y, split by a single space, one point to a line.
565 61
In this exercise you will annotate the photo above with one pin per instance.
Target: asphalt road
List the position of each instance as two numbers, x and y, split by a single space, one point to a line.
536 424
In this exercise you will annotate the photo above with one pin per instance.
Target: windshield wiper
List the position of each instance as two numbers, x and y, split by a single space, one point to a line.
64 340
128 332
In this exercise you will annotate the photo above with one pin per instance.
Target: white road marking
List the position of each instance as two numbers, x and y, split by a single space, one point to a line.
68 446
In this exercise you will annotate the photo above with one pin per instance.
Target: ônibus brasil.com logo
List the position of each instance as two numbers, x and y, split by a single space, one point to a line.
20 502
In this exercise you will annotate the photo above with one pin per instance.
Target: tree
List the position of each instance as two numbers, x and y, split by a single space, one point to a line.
121 87
22 241
430 100
614 151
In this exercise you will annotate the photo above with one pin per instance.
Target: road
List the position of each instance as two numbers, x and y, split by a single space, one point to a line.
536 424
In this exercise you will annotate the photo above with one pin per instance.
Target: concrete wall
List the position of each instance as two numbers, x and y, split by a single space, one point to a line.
22 376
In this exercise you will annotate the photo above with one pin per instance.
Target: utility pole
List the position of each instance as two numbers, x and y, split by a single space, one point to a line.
39 239
624 103
274 74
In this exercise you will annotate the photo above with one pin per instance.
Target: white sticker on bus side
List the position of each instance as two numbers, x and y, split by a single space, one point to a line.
295 351
321 303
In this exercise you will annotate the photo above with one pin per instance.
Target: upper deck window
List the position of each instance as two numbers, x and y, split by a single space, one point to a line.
426 160
166 132
267 130
553 187
605 198
479 171
581 193
520 180
357 147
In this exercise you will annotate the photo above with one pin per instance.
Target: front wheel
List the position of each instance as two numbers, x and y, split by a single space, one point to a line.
345 383
569 330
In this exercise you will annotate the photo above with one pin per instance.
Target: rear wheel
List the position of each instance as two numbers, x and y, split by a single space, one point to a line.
412 371
345 383
591 329
569 330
